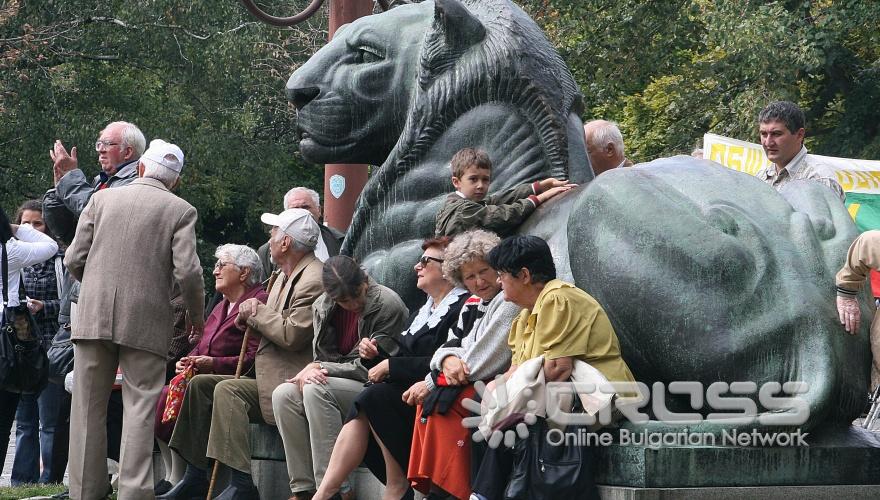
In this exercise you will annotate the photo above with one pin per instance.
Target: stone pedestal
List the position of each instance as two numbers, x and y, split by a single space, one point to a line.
741 493
849 456
270 470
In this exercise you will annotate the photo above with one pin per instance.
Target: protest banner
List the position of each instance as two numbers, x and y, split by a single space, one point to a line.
860 179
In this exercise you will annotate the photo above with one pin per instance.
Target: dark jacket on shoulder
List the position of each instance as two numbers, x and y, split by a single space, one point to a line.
63 204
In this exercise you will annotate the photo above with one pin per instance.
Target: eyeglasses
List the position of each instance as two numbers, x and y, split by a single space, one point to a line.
221 265
106 144
423 261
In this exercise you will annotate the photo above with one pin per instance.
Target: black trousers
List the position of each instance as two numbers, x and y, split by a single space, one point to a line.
8 407
62 433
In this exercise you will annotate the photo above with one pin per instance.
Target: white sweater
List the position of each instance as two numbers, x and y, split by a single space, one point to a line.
484 349
29 247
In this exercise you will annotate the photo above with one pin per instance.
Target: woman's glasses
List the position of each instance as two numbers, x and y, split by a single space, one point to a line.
425 259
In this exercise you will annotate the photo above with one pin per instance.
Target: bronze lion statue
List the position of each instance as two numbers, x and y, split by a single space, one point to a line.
707 274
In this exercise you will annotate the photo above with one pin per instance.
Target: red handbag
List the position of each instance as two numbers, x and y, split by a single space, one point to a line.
176 390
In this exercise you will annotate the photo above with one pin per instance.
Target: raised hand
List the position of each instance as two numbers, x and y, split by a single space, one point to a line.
62 161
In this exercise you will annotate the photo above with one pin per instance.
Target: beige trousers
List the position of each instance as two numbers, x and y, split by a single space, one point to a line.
143 375
309 422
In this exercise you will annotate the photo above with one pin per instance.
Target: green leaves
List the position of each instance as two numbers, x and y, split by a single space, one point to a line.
204 75
670 71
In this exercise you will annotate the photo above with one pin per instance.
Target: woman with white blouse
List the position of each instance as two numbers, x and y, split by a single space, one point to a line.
24 246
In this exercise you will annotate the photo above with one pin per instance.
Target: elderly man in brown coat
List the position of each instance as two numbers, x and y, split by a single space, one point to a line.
213 421
131 244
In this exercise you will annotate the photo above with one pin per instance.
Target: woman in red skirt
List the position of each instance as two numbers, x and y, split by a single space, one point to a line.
476 349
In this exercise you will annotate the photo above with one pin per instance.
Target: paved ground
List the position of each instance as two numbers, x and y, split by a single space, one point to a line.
7 465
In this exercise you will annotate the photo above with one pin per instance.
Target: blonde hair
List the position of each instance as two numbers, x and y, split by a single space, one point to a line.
465 248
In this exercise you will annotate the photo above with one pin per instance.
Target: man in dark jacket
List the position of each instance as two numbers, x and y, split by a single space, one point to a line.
119 147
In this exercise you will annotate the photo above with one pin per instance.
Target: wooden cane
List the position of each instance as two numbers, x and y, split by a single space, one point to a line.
244 342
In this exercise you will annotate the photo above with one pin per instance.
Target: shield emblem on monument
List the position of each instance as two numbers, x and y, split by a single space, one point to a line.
337 185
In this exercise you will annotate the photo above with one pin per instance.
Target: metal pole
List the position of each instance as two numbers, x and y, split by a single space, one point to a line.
343 182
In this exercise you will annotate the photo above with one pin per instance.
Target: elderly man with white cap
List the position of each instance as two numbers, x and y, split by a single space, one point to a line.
131 244
213 421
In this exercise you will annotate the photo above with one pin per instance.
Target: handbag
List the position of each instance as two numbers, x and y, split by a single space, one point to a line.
60 354
24 366
176 390
542 470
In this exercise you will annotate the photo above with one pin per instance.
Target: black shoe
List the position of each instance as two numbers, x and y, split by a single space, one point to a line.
236 493
162 487
65 495
409 495
186 489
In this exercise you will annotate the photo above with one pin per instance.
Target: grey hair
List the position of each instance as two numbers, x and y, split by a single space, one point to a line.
159 172
311 193
296 246
465 248
132 136
606 132
244 257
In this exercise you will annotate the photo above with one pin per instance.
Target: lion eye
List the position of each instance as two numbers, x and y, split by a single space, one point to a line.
368 55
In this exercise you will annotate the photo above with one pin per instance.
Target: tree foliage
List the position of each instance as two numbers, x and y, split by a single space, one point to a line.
202 74
670 71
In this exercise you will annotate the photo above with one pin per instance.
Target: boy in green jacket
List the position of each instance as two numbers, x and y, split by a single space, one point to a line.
469 206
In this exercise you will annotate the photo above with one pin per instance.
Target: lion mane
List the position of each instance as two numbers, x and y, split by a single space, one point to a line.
478 52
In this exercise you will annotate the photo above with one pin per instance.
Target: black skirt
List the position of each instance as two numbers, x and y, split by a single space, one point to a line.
391 419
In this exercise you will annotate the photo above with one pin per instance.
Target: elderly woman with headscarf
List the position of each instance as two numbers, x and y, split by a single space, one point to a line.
237 276
476 350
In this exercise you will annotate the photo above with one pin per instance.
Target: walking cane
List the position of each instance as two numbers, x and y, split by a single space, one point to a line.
244 342
874 412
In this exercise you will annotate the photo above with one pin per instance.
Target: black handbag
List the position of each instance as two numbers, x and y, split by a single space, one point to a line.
24 366
542 470
60 354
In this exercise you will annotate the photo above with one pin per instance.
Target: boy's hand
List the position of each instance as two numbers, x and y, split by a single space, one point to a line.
554 191
552 182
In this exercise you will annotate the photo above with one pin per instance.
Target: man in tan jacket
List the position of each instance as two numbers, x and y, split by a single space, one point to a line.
131 244
213 421
863 255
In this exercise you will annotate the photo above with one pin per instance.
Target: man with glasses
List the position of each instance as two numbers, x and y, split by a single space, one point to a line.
119 147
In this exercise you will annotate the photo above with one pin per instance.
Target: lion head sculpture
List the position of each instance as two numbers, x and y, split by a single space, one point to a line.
410 87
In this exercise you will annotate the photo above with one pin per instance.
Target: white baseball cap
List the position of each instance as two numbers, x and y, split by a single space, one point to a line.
164 153
297 223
